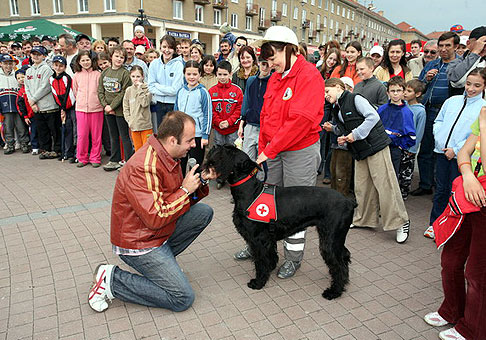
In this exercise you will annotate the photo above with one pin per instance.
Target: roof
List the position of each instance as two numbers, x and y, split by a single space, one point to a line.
365 10
406 27
436 34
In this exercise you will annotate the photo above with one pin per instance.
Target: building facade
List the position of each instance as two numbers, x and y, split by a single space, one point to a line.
410 33
314 21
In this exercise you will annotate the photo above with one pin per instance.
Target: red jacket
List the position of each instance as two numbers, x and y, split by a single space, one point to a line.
292 110
147 200
227 99
23 106
145 42
61 86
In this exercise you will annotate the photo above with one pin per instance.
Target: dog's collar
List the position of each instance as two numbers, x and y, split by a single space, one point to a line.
253 173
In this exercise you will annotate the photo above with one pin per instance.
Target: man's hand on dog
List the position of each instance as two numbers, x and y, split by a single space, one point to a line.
209 174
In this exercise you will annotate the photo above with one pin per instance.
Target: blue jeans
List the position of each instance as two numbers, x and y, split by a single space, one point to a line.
425 158
445 172
161 109
162 283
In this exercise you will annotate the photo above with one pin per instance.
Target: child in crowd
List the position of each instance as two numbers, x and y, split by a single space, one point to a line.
104 61
46 110
451 129
226 99
89 112
25 110
194 99
112 86
151 54
370 87
354 51
413 95
376 186
140 39
397 118
8 94
61 85
208 72
136 108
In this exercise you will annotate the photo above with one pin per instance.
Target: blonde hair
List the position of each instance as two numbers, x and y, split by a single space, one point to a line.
98 43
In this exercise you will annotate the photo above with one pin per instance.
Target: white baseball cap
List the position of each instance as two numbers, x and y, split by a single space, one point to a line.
348 81
140 49
278 34
377 49
463 39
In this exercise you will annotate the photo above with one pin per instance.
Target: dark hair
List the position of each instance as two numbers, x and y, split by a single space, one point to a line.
250 51
193 64
367 60
324 70
26 42
396 81
173 125
416 41
115 40
170 40
268 50
417 87
137 68
332 44
386 63
226 40
480 71
91 55
119 49
335 82
224 65
104 56
68 39
128 41
303 49
449 35
36 39
241 38
185 41
355 44
205 60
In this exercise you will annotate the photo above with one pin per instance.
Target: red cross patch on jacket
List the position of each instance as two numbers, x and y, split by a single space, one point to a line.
263 209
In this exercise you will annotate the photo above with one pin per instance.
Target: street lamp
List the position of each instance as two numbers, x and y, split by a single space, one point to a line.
141 19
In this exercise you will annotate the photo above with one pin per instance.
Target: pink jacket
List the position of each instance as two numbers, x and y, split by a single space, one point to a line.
85 86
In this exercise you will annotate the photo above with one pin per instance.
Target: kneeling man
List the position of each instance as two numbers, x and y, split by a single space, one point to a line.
154 217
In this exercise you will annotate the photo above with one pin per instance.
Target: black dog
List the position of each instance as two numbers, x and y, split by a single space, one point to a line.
298 208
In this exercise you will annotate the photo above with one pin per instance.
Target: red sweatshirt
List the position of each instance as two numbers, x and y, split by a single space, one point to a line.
144 41
23 105
292 110
227 99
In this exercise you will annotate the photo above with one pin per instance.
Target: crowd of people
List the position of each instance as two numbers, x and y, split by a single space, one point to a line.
360 120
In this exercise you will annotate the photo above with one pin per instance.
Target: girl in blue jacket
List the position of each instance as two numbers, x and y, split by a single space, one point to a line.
194 99
451 129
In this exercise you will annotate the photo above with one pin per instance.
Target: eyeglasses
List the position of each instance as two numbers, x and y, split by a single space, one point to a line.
433 52
238 44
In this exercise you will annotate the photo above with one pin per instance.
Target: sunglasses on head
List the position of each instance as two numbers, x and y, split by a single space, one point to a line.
430 52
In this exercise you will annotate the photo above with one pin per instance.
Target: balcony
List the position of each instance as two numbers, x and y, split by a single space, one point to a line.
220 4
263 24
306 23
276 16
202 2
251 9
320 27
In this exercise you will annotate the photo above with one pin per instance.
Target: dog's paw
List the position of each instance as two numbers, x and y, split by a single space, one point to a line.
330 294
255 284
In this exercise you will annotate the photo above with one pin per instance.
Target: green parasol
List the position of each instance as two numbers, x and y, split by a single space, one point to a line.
35 28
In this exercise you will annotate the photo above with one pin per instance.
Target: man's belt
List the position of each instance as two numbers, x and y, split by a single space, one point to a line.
49 111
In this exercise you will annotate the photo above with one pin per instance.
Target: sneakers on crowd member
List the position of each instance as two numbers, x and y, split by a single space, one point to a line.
429 233
25 148
100 292
326 181
243 254
288 269
434 319
35 152
73 160
122 163
5 147
111 166
95 165
17 146
421 192
403 232
81 164
451 334
10 149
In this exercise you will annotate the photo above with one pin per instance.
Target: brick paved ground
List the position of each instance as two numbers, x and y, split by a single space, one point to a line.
54 230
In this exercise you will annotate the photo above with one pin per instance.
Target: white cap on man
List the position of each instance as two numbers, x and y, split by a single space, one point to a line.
377 49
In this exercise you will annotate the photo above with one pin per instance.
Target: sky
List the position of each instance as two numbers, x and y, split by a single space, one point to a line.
433 15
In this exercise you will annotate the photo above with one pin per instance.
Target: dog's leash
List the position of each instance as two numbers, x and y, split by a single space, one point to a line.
265 171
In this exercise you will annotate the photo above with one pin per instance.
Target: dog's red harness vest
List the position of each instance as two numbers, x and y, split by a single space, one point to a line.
263 209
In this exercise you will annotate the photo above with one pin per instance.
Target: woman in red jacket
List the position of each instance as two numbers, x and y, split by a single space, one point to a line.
289 124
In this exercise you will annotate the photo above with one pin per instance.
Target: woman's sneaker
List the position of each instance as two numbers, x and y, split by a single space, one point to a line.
403 232
434 319
100 292
111 166
243 254
429 233
451 334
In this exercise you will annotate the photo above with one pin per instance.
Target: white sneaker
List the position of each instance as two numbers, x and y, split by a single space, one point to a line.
451 334
429 233
403 232
101 289
434 319
35 151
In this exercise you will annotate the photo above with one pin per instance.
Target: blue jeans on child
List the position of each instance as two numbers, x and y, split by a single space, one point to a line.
162 283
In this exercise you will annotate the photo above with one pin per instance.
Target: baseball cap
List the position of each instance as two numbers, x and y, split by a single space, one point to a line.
8 57
195 41
17 44
377 49
59 59
140 49
39 49
463 40
348 81
22 70
457 28
82 36
278 34
478 32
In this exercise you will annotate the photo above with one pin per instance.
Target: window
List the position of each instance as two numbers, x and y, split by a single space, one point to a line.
57 7
296 13
349 13
14 7
331 24
317 38
34 6
304 15
274 5
284 9
234 20
319 3
82 6
352 16
234 1
110 6
318 20
344 12
326 5
217 17
177 7
249 23
332 7
338 10
313 2
325 22
199 13
324 38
